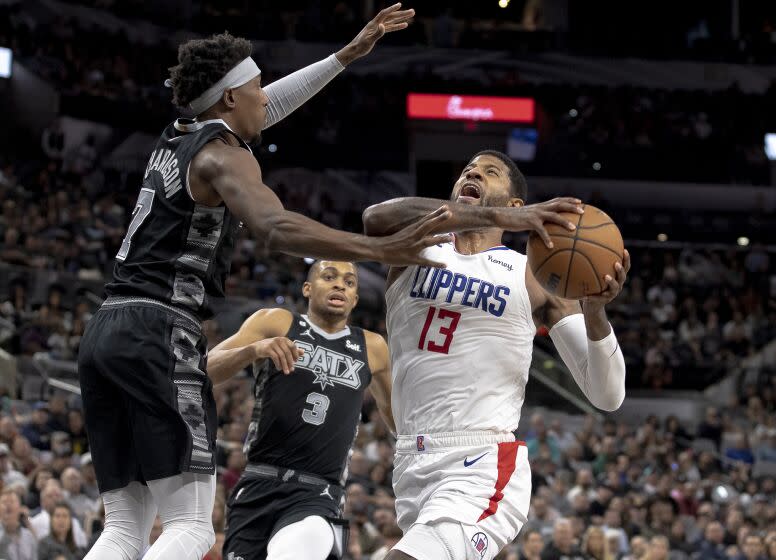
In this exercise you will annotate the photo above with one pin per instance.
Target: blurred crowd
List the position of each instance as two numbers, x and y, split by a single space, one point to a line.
602 490
687 316
108 76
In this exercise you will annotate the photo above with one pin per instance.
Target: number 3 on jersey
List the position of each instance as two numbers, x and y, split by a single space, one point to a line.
449 322
317 415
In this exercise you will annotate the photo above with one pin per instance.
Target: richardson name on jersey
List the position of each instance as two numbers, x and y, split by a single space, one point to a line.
454 287
328 366
165 163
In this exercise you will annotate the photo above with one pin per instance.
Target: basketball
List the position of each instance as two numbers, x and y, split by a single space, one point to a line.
577 264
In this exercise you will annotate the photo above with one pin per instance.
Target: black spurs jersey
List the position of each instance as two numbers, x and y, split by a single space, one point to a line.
308 420
175 250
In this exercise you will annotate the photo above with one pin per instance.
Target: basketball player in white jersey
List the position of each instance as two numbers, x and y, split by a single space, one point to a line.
461 340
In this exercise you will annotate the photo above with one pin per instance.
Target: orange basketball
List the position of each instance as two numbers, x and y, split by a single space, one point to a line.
577 264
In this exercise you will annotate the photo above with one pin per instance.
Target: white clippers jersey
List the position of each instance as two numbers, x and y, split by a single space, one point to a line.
461 340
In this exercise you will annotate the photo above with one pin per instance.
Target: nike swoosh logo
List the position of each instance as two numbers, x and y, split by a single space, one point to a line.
467 463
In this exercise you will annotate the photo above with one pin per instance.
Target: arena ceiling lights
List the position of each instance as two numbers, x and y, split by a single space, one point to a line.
470 108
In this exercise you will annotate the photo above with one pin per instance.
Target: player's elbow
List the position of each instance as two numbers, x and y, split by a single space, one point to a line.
609 401
371 220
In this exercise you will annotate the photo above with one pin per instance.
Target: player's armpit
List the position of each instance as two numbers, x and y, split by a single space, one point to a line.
380 364
232 355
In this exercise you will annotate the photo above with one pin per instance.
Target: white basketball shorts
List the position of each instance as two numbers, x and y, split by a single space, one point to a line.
460 493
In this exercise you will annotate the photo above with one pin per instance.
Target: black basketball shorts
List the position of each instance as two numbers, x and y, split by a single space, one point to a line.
258 508
149 406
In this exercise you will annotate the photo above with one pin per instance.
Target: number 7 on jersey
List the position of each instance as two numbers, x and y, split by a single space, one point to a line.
445 328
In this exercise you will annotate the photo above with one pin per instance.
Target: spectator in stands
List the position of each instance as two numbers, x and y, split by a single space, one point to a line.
739 448
24 460
711 427
541 437
532 545
541 516
79 503
60 544
10 476
712 546
638 548
562 544
88 476
37 430
595 545
17 541
50 497
752 549
658 548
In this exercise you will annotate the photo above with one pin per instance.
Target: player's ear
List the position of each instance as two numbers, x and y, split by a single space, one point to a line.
355 300
306 287
228 98
515 203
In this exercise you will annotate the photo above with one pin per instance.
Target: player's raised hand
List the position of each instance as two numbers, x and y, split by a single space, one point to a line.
533 217
391 19
404 247
280 350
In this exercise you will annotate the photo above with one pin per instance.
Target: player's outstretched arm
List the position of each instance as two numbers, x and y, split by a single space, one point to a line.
380 364
390 216
287 94
235 175
584 338
261 336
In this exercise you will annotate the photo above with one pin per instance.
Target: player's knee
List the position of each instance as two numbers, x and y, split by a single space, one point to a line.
126 538
199 531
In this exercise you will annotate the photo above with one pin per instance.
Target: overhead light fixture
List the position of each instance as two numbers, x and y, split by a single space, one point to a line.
743 241
503 3
662 237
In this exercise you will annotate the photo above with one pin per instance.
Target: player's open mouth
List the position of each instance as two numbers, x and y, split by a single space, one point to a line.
337 300
469 192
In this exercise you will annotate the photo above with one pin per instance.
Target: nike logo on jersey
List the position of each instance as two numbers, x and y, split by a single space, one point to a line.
453 287
467 463
326 492
308 333
329 367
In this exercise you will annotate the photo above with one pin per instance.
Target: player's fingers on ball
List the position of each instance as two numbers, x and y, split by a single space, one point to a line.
559 219
626 260
542 232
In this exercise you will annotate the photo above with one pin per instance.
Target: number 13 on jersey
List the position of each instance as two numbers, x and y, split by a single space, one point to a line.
445 322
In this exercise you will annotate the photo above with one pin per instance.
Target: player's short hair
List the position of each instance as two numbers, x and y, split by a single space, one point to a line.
518 186
315 268
202 62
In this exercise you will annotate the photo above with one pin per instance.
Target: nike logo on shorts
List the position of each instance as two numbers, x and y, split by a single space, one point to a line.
467 463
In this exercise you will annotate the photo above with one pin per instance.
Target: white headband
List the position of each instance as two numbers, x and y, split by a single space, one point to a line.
241 74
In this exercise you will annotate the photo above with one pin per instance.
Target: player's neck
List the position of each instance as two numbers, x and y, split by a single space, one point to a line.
330 325
477 241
